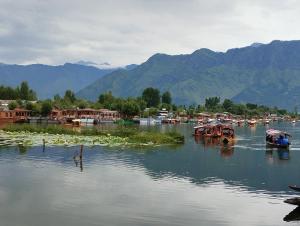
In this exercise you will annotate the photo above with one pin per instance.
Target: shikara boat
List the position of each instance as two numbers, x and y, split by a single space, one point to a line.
294 187
277 138
213 131
227 134
199 130
251 122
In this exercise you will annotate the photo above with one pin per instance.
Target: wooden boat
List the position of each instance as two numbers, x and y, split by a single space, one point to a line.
277 138
227 134
76 122
251 122
293 201
294 187
213 131
240 122
199 130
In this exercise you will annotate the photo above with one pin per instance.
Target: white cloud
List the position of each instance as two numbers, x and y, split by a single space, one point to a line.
129 31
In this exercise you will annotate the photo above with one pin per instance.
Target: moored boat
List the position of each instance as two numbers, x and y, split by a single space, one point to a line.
251 122
277 138
227 134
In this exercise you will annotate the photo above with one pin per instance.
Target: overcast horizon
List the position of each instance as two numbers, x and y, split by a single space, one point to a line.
123 32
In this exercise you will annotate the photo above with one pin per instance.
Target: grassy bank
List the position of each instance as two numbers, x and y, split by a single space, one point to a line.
57 135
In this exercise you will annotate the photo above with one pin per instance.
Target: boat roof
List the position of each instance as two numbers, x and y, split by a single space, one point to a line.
275 132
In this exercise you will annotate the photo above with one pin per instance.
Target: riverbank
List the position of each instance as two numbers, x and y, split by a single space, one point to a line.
29 135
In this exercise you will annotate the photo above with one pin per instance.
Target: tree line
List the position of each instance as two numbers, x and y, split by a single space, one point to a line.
148 104
22 92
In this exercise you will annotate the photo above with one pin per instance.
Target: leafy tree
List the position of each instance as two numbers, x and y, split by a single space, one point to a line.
151 96
227 104
211 103
12 105
106 99
82 104
56 97
166 98
46 107
24 91
130 108
251 106
69 96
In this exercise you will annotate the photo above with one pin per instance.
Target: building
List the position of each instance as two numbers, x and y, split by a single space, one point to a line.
101 115
16 115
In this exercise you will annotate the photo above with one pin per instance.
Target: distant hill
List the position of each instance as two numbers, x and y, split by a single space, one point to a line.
261 73
50 80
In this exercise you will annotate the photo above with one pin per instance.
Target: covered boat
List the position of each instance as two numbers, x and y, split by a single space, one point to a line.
227 134
277 138
213 131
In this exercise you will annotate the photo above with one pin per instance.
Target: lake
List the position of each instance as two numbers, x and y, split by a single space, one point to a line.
198 183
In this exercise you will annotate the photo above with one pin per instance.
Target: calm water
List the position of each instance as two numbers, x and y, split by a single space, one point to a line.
199 183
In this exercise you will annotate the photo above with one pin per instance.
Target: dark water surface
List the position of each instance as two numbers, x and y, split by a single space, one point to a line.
199 183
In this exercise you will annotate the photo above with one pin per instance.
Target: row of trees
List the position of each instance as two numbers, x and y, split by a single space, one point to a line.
22 92
148 103
213 104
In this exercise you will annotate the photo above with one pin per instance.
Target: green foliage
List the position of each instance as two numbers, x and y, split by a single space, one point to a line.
23 93
166 98
212 103
132 135
227 104
12 105
46 108
130 108
151 96
69 96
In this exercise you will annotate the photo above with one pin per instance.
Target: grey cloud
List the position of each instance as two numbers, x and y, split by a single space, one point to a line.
129 31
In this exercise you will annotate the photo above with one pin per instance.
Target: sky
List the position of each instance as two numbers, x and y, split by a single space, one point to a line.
123 32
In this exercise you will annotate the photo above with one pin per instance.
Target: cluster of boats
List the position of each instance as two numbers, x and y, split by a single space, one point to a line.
225 132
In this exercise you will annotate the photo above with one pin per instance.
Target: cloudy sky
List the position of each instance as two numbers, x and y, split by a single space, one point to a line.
130 31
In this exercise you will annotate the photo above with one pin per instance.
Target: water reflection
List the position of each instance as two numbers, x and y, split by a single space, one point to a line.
78 156
190 186
227 151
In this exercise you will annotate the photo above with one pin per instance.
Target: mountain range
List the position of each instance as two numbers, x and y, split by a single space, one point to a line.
49 80
266 74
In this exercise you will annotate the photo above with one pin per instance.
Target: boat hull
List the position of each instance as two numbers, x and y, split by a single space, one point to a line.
273 145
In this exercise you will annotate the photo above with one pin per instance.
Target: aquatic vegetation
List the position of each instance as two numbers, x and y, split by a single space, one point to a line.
29 135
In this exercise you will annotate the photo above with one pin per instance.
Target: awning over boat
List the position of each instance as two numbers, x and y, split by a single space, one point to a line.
274 132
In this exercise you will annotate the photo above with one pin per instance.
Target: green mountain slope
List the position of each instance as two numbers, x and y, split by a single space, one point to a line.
267 74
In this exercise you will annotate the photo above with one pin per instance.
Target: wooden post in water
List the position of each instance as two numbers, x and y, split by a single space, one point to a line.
81 151
44 145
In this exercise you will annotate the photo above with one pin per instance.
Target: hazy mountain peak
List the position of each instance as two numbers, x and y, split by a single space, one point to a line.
256 44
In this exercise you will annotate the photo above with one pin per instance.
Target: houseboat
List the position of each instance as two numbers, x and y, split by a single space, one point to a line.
16 115
277 138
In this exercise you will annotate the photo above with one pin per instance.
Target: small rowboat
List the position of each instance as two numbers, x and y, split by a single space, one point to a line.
277 138
293 201
294 187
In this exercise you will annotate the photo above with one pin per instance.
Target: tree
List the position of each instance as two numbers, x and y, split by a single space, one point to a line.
151 96
106 99
24 91
46 107
211 103
227 104
130 108
70 96
12 105
82 104
166 98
